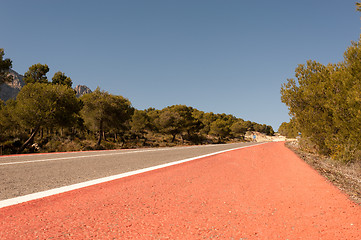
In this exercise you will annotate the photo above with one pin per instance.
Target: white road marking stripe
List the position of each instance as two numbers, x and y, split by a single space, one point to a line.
87 156
47 193
66 158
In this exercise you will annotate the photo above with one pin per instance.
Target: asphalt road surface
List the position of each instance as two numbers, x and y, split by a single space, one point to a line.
25 174
258 192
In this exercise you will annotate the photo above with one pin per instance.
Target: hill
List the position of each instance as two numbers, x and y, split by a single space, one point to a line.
11 90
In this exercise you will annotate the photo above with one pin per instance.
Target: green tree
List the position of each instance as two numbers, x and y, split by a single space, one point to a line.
5 65
325 104
36 74
153 115
358 6
263 128
207 119
188 124
43 105
178 120
289 129
345 103
103 111
3 120
169 122
61 78
140 123
220 128
249 125
269 130
238 128
9 126
308 101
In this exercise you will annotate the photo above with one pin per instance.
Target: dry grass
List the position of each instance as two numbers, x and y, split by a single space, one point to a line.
347 177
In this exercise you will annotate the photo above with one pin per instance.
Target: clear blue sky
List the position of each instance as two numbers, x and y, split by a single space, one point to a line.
222 56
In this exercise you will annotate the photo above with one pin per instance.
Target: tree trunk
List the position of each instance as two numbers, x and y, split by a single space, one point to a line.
100 132
122 140
72 134
173 137
100 137
145 140
30 139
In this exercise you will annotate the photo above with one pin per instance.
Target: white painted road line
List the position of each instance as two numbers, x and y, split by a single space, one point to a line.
88 156
66 158
47 193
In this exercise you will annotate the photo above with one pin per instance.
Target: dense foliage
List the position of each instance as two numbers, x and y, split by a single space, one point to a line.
37 73
61 78
5 65
105 112
44 105
289 129
325 104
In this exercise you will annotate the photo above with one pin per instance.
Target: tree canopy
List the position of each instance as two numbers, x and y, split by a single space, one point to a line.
140 122
238 128
37 74
325 103
44 105
61 78
289 129
103 111
170 122
219 128
5 65
358 6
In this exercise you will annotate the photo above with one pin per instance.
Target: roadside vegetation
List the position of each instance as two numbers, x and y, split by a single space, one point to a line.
288 129
47 117
324 103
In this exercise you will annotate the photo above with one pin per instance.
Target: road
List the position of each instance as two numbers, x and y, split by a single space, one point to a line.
26 174
259 192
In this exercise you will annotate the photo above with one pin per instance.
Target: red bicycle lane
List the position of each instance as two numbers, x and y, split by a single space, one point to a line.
260 192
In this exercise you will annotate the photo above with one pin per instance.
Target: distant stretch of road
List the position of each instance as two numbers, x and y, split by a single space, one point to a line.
26 174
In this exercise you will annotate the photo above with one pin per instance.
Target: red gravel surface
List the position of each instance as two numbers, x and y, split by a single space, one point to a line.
261 192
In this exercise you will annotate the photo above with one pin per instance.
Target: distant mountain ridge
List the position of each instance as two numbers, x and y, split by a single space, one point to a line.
81 90
11 90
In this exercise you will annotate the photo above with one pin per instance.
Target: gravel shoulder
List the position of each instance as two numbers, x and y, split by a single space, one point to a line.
346 177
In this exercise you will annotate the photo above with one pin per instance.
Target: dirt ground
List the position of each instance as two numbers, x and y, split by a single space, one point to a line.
346 177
